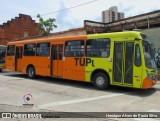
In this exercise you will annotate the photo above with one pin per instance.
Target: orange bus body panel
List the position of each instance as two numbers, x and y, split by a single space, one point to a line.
71 71
45 66
10 63
55 68
42 66
19 65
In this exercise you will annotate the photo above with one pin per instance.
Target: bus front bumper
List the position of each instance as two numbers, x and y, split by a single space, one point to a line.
148 83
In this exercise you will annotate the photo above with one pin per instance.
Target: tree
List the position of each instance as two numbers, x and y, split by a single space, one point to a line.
46 25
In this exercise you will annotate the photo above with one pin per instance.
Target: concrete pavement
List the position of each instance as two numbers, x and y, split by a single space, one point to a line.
51 94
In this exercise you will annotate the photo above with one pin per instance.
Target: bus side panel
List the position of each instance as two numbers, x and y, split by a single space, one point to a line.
102 63
26 61
98 63
10 63
72 69
41 65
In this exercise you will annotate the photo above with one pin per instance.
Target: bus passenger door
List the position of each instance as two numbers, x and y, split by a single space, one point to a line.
128 63
118 63
10 58
123 63
18 59
56 61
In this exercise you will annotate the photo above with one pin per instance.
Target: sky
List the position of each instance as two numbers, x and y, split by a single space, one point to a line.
72 18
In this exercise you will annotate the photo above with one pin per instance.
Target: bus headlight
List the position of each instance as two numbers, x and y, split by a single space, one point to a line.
152 77
148 74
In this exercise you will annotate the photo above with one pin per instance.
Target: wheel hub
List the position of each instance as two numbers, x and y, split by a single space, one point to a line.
31 72
100 81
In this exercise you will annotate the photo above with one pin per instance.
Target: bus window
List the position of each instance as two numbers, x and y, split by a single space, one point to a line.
74 48
149 53
18 52
60 52
29 49
43 49
98 48
57 52
10 50
129 50
137 56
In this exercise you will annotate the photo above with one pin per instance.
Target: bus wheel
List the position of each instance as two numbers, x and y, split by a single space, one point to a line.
31 72
100 81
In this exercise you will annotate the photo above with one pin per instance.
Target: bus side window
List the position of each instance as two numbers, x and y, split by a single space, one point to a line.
137 55
43 49
10 50
98 48
74 48
29 49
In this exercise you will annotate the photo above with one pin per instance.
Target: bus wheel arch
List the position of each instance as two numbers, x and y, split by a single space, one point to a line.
100 79
31 72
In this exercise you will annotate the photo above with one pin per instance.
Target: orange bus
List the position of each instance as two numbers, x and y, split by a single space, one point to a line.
120 58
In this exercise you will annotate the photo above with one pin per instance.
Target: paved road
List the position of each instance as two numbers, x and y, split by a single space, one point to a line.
51 94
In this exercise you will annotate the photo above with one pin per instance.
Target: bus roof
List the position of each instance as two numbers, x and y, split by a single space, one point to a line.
134 34
49 39
90 36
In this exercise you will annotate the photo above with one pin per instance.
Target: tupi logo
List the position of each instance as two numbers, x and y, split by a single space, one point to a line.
84 61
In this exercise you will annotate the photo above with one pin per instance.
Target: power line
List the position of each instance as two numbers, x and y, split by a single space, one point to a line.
67 8
64 9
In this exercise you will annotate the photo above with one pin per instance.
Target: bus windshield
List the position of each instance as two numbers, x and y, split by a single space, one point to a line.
148 52
2 54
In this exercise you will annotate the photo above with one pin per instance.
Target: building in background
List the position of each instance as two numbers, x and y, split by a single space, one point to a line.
148 23
17 28
112 15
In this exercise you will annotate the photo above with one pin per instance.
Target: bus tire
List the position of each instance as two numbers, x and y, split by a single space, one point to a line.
101 81
31 72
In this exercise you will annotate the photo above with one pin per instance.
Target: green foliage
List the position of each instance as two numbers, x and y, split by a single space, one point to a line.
46 25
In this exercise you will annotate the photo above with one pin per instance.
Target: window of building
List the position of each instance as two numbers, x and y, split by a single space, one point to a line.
10 50
74 48
25 34
43 49
98 48
29 49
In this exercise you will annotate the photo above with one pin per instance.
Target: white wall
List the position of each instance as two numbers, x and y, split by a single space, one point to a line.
154 33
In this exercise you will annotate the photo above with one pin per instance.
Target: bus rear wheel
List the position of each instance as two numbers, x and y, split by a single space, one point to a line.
101 81
31 72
